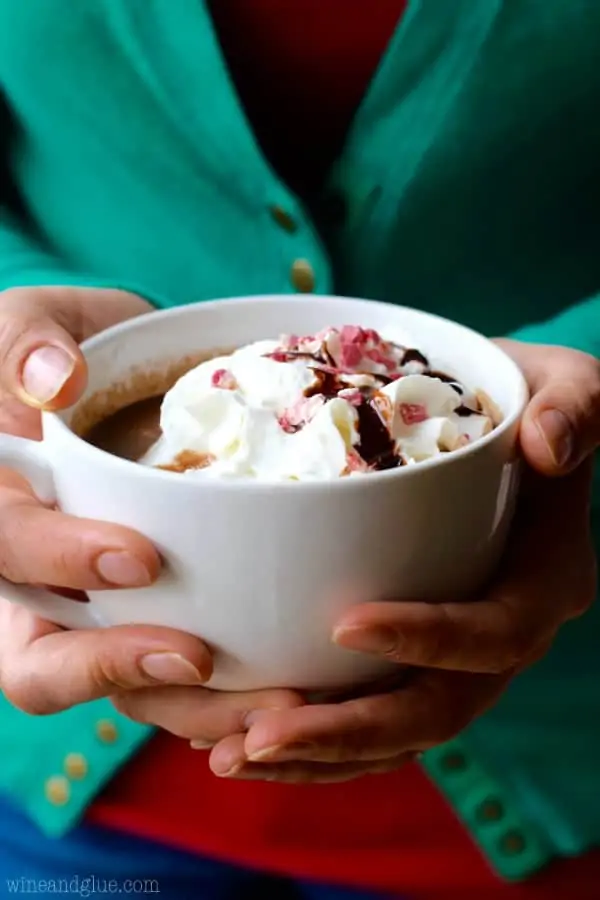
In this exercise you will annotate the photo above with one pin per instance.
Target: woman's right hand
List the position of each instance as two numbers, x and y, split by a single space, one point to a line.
155 673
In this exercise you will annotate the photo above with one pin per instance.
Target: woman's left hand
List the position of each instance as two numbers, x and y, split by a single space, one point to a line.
465 653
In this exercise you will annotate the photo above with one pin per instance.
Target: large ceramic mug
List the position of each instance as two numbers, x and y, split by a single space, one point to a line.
262 571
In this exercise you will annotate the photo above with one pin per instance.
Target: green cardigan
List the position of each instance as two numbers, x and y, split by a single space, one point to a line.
470 186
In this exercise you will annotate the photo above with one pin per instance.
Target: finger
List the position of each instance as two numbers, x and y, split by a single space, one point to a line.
228 760
561 425
548 577
40 363
436 707
45 670
316 773
83 554
201 716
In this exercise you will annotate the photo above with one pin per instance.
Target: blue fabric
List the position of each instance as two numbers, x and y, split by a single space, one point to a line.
92 860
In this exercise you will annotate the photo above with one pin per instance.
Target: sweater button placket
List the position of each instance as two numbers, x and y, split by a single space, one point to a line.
302 276
490 810
57 790
283 219
76 766
106 731
512 843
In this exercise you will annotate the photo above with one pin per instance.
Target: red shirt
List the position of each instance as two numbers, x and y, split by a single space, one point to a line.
301 68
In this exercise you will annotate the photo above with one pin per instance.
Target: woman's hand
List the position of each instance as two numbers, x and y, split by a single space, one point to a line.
465 653
156 672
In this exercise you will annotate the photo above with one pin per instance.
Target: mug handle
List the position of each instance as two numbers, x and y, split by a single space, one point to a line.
28 458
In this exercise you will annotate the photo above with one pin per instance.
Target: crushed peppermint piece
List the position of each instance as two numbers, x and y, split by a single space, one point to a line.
223 378
300 413
381 393
352 396
355 463
355 364
289 341
412 413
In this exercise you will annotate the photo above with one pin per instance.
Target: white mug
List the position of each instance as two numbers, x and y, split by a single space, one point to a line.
263 571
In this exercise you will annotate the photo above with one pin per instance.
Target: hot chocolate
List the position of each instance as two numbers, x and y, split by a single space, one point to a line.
129 432
342 402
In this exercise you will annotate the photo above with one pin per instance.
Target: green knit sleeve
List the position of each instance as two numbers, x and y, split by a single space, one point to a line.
23 261
26 259
577 327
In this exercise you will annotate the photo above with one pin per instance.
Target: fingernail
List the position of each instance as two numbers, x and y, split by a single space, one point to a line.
280 753
367 640
557 432
229 773
170 668
202 745
46 372
267 753
120 568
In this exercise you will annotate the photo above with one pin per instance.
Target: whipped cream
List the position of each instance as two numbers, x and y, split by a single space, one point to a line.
341 402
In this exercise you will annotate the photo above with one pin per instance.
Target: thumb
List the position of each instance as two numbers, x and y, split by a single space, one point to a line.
40 328
561 425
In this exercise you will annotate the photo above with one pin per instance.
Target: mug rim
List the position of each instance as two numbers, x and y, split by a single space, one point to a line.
121 329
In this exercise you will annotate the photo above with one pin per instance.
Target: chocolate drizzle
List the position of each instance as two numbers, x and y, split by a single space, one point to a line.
376 447
328 384
447 379
413 355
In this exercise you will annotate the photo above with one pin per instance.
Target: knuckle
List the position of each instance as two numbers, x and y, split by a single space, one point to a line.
440 642
104 671
376 729
14 505
111 666
13 328
70 560
513 638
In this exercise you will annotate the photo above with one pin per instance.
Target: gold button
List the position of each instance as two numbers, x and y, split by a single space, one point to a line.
106 730
490 811
57 790
76 766
303 276
283 219
512 843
